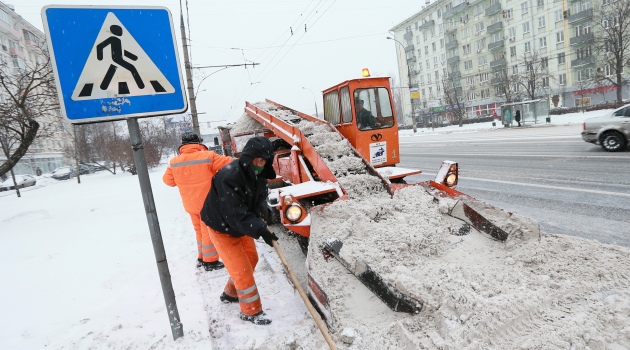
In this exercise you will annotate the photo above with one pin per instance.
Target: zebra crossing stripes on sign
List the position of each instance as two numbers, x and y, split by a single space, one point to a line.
117 66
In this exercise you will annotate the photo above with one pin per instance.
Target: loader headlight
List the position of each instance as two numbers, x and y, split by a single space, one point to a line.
293 213
450 180
448 173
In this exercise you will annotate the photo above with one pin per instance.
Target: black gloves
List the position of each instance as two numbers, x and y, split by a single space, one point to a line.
269 237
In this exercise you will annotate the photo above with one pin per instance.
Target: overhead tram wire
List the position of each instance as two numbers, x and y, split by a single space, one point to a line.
289 49
261 57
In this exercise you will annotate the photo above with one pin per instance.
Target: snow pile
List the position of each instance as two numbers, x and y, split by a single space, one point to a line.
559 292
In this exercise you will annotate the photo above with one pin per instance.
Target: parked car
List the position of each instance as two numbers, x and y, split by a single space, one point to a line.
64 173
21 181
93 167
611 130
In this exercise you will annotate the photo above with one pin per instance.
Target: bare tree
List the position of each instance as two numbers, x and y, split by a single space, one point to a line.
533 75
452 93
611 33
29 108
507 86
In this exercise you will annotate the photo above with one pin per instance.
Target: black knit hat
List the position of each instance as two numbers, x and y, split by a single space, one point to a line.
190 137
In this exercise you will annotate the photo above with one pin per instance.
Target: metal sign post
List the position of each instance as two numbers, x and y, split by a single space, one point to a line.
115 63
154 228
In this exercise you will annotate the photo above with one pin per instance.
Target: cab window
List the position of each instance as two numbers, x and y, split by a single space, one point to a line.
331 107
373 109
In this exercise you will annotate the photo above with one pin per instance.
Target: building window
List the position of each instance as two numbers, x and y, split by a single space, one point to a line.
471 96
466 49
483 77
560 37
544 62
509 14
541 21
542 42
561 58
483 60
468 65
524 8
562 79
545 81
584 74
525 28
558 15
515 69
512 51
527 47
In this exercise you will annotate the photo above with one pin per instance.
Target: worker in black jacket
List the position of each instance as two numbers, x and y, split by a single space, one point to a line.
232 211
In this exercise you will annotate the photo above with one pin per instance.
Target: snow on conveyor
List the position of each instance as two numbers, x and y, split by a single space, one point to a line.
558 292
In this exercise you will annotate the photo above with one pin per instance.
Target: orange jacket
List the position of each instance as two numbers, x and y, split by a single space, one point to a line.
192 173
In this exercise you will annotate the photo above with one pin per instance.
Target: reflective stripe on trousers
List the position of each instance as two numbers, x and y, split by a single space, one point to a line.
205 247
240 257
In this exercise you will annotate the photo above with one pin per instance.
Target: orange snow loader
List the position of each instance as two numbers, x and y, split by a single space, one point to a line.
359 113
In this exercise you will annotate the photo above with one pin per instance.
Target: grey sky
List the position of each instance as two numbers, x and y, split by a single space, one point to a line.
341 38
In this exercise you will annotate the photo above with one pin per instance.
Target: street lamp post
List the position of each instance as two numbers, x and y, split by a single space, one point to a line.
314 100
413 110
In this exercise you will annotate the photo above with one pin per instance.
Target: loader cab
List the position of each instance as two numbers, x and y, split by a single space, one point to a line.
363 111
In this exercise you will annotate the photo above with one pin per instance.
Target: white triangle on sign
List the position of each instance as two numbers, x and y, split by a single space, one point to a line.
121 69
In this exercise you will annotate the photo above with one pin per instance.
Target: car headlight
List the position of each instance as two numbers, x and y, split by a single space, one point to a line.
293 213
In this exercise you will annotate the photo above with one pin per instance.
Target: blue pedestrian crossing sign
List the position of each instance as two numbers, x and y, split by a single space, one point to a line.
113 63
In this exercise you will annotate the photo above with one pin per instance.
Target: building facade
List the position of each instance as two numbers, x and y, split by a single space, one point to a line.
20 48
480 46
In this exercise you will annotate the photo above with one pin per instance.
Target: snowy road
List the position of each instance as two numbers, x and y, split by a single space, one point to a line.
549 174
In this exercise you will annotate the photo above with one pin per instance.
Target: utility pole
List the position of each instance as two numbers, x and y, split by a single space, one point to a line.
189 80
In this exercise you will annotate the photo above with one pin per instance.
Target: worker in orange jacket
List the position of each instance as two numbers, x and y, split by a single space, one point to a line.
192 171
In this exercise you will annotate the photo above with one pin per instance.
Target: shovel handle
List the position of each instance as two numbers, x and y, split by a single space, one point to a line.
310 307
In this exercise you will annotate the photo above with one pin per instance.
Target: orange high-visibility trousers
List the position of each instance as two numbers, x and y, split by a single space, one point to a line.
240 257
205 247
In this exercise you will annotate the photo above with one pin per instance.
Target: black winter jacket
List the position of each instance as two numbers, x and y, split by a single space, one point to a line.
237 193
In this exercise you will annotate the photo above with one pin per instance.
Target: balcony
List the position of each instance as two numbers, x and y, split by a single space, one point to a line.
583 61
581 16
455 10
409 48
496 45
498 63
408 36
455 75
411 60
453 60
451 44
427 24
495 27
496 81
493 9
582 39
8 29
15 52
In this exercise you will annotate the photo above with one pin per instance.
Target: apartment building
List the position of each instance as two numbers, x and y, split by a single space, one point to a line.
20 44
479 44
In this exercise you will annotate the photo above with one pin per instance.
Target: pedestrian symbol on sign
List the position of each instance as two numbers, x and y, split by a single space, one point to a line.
116 48
117 57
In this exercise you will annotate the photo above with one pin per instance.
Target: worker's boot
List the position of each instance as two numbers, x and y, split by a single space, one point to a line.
227 299
258 319
199 262
211 266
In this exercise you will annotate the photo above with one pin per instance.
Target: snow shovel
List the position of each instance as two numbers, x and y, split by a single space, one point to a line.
296 283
